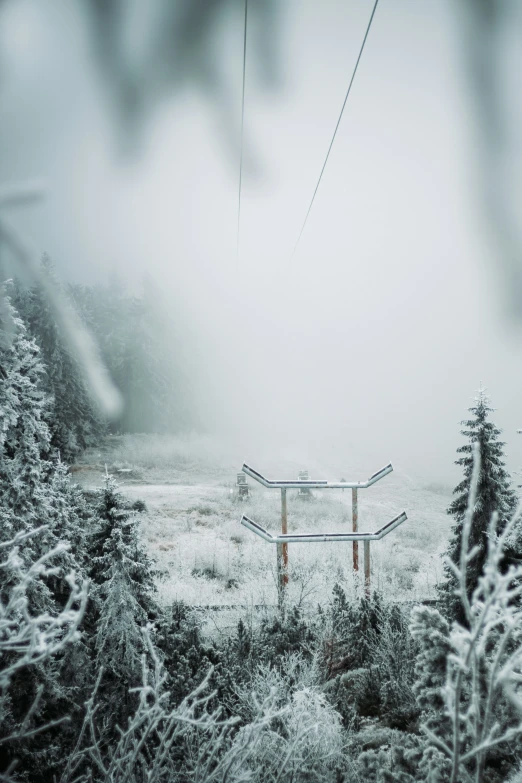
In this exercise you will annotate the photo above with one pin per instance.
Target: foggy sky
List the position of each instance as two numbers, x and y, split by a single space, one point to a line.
375 336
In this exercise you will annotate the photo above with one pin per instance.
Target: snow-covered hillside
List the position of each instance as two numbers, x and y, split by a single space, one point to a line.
192 524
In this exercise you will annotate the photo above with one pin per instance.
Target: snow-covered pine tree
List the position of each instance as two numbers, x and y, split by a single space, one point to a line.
75 422
34 488
186 655
24 434
34 492
123 585
494 493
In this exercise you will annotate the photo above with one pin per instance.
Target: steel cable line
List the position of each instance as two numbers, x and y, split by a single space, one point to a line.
242 132
336 127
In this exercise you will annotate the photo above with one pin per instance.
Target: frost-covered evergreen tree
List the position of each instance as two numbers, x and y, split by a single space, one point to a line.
187 658
494 493
69 517
34 487
30 646
468 672
75 423
35 493
24 433
123 587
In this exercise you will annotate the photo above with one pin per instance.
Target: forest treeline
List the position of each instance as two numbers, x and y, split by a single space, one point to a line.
137 346
99 682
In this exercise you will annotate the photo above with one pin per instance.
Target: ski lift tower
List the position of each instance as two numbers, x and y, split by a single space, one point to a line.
284 539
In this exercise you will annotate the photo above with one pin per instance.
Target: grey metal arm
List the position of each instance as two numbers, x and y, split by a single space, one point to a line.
319 537
316 484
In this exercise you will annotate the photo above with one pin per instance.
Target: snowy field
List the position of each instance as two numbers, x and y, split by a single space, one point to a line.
192 523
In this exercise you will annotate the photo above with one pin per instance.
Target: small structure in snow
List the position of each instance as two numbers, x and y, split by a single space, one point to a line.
242 486
304 492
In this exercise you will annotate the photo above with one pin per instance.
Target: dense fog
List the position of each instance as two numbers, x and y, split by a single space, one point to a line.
399 300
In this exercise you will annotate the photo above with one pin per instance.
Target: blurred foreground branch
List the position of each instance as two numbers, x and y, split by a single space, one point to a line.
78 340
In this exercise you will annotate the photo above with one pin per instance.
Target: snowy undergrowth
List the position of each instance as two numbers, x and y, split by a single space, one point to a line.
192 527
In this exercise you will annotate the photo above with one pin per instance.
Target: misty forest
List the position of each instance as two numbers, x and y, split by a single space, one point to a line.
223 309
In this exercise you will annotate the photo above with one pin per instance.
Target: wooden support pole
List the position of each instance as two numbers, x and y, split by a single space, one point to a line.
284 531
367 589
355 528
279 575
282 554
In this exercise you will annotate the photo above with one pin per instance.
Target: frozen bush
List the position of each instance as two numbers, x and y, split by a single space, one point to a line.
26 638
29 638
306 741
469 674
189 742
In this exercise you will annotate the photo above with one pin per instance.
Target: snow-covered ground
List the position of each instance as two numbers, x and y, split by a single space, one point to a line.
192 524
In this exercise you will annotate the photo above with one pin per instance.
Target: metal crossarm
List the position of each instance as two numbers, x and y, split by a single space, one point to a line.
300 483
304 485
320 537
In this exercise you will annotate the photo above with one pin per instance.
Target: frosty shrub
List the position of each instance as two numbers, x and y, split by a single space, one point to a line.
469 675
25 638
306 741
190 742
368 660
186 655
285 632
391 659
293 672
348 644
29 638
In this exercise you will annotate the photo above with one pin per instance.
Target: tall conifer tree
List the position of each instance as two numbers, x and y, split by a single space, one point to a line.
494 493
122 586
75 423
24 434
35 491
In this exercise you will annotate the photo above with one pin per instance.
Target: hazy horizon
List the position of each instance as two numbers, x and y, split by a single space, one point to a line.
375 336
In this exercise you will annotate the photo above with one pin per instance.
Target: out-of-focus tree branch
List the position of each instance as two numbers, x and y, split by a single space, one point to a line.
78 339
485 28
147 53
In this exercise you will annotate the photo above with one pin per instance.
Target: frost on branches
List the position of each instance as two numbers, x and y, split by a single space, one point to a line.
29 639
470 673
493 493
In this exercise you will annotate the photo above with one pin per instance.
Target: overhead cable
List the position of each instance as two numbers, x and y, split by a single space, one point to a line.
336 127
